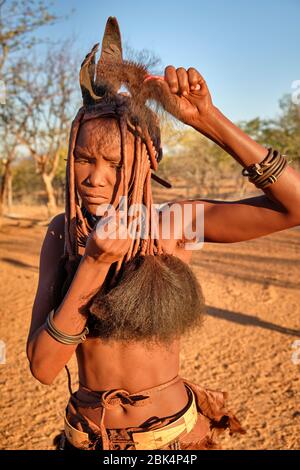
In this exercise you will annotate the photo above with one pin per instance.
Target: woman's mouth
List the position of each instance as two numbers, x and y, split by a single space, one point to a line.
93 199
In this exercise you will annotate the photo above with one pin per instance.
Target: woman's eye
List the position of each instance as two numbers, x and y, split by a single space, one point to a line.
81 160
118 166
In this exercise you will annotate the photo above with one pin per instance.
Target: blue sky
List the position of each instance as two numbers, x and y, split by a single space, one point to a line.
248 51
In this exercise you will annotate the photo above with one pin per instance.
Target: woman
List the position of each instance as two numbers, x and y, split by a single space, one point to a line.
122 303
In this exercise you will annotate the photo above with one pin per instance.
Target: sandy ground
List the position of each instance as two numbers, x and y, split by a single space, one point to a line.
244 347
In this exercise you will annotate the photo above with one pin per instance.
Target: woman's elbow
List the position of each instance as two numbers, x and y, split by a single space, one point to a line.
40 369
46 362
41 373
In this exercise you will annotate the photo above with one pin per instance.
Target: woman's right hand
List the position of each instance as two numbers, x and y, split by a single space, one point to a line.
185 95
109 241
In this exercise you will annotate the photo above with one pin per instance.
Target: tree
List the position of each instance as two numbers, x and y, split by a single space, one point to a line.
49 98
282 132
18 21
193 162
13 120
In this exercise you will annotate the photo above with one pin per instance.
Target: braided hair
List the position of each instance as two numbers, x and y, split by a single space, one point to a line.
77 227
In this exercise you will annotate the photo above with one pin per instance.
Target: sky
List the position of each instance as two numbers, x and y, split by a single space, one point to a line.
247 51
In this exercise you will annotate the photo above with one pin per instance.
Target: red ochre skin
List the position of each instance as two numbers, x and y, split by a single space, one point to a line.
133 367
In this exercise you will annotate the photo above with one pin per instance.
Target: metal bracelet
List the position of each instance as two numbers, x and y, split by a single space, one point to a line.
63 337
267 171
257 169
273 169
272 178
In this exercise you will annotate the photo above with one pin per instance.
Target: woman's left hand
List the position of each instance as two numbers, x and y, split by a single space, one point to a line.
187 95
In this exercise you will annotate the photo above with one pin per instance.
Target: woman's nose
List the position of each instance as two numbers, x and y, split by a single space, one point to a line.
97 177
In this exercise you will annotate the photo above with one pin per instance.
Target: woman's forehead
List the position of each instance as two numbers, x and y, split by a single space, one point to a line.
101 131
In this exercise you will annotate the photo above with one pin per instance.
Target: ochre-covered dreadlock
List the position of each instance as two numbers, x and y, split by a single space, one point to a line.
77 228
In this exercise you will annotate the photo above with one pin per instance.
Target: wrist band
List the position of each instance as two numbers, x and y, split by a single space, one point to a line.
63 337
268 170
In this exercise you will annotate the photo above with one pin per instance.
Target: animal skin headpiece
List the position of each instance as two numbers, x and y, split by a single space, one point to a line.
101 86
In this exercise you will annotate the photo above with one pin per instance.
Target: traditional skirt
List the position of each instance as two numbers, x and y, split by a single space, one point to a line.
195 427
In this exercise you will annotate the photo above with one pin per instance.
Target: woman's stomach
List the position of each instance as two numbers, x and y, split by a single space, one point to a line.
106 365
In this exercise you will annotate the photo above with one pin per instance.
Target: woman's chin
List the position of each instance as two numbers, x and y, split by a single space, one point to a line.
97 209
93 209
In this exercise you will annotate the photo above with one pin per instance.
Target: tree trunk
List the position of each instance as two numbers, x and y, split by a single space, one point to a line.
51 204
9 191
4 185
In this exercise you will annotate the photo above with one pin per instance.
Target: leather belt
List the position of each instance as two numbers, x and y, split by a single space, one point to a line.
146 440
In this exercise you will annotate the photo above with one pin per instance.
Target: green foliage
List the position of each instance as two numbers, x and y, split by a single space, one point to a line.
60 175
193 161
282 133
25 178
27 181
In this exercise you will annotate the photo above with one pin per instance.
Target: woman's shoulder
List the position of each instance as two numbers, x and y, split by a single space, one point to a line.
57 224
53 245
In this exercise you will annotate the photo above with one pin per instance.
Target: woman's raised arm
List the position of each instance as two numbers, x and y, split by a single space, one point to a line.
187 97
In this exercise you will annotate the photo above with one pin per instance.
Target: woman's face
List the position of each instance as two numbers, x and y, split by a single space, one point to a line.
98 163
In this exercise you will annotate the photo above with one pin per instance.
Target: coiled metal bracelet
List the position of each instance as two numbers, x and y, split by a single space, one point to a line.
268 170
63 337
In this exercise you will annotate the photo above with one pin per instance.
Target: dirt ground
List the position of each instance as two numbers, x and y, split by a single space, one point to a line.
244 347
